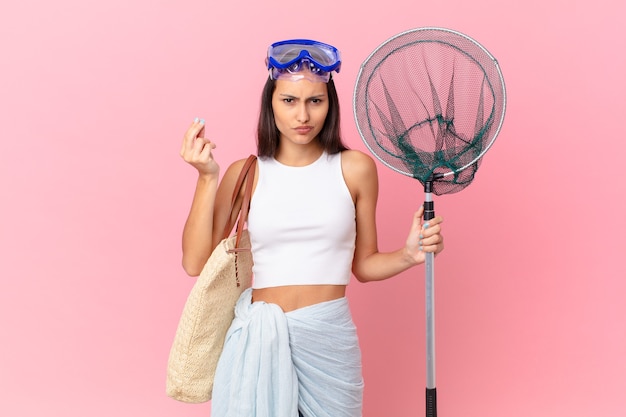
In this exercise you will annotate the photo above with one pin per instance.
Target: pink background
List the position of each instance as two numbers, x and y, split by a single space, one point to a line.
95 97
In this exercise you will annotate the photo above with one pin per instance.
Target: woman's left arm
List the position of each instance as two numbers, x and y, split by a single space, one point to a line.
369 264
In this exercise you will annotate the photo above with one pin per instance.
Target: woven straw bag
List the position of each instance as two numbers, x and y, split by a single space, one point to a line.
210 307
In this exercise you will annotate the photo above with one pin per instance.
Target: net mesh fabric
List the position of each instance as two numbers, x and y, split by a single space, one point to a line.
429 103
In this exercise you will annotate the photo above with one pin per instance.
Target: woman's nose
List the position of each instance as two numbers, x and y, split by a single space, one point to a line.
303 114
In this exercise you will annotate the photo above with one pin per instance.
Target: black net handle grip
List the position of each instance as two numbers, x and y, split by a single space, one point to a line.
429 204
429 210
431 402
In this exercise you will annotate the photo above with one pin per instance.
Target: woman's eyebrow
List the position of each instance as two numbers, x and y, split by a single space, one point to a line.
316 96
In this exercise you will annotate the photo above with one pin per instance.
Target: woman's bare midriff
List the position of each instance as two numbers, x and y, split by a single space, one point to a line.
293 297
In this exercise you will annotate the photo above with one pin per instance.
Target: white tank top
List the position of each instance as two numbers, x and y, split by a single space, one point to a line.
302 224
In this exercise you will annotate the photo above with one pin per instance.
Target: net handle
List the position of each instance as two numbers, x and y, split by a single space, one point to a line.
431 389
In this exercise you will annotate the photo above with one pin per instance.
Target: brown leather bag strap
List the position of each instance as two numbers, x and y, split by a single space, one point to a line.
245 207
249 166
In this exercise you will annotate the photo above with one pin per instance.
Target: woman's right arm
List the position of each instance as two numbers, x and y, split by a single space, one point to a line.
198 230
210 207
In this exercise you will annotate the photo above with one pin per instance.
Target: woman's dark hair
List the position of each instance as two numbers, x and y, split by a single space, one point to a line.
268 134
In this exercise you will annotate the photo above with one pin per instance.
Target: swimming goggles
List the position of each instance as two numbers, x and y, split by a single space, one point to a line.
302 58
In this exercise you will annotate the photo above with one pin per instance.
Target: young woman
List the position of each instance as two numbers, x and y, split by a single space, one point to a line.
292 348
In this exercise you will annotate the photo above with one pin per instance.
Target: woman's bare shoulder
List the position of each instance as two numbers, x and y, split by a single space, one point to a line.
237 165
360 174
233 170
358 163
227 184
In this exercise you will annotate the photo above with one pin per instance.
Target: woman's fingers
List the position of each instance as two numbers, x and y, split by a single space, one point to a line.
198 145
205 152
196 150
431 239
195 130
194 146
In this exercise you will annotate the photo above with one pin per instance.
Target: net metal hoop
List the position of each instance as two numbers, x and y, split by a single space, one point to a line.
369 62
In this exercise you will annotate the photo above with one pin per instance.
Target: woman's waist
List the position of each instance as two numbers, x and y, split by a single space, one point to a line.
293 297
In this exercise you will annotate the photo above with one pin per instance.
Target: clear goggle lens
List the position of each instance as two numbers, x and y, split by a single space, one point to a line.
299 70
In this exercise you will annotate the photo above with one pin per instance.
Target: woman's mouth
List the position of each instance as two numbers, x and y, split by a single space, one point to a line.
303 130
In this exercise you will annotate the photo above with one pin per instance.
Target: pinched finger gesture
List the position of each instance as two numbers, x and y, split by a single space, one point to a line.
197 150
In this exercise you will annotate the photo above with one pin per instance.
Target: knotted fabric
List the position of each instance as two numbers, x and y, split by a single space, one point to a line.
275 363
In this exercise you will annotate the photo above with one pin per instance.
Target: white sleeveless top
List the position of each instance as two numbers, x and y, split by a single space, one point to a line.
302 224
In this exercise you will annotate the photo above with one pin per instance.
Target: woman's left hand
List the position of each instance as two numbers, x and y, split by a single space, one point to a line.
424 237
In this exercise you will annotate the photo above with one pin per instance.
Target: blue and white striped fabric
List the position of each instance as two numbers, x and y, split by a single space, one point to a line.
277 363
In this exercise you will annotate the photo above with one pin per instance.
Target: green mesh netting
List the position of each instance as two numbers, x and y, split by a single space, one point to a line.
429 103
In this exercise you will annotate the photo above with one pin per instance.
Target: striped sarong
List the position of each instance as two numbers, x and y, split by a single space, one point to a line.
276 364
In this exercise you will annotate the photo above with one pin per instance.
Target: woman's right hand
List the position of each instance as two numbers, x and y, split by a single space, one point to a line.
196 150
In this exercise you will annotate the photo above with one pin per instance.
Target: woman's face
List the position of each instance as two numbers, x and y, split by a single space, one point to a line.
300 109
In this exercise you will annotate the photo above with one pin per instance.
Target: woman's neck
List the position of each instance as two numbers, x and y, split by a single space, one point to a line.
298 155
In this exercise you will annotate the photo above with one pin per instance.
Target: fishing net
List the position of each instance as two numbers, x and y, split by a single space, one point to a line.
429 103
